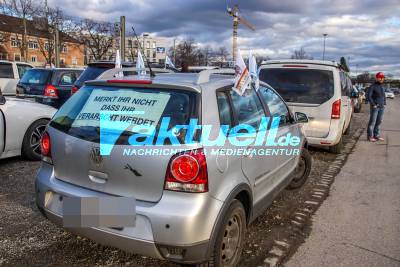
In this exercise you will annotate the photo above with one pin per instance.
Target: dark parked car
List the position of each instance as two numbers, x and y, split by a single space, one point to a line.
95 69
48 86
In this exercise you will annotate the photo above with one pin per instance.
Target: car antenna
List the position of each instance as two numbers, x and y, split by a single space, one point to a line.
142 51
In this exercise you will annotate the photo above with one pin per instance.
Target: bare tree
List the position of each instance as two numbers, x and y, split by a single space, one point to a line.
97 36
186 53
24 9
223 54
300 54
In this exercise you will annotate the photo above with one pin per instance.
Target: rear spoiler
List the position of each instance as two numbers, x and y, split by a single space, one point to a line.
111 73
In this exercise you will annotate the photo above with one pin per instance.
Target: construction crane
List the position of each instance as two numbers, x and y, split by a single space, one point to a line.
234 13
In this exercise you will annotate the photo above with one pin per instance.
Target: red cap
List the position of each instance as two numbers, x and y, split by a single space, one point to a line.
380 75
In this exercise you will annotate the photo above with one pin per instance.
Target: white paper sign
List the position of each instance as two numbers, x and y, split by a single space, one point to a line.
126 106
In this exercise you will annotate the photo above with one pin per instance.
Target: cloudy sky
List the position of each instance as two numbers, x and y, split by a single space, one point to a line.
366 31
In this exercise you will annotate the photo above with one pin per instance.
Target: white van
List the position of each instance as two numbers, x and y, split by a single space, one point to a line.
320 89
10 73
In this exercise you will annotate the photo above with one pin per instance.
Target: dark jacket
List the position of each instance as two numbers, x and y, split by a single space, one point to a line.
376 95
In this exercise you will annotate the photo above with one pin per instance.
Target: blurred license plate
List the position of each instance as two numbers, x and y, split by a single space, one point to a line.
99 212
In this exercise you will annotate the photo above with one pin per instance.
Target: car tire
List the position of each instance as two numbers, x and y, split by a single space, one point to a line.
302 171
337 149
357 109
347 132
31 142
233 229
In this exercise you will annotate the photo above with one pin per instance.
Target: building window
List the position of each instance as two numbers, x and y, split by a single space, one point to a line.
15 42
148 45
33 58
64 49
154 45
148 53
62 61
129 43
33 45
154 54
3 56
17 57
74 61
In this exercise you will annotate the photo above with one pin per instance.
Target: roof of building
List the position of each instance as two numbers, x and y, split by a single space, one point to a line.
15 25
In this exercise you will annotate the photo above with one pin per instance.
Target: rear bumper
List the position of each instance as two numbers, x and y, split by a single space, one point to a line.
177 228
335 133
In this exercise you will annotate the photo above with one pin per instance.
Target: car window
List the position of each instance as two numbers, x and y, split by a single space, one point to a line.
344 83
225 114
276 106
248 109
80 115
22 69
36 76
311 86
67 78
6 71
91 73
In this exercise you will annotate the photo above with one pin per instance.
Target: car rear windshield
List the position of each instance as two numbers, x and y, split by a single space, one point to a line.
36 76
6 71
309 86
126 108
91 73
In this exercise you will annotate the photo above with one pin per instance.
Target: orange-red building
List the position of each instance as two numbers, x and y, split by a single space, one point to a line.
39 43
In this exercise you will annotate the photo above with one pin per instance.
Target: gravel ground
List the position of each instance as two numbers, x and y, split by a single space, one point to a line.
27 239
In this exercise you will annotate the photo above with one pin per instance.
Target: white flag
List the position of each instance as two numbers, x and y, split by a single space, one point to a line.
253 70
140 67
118 65
242 78
168 62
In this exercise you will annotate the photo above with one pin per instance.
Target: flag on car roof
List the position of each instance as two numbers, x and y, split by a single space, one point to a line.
253 69
118 65
168 62
242 78
140 67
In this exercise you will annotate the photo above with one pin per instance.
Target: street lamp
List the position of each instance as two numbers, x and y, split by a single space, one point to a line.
323 54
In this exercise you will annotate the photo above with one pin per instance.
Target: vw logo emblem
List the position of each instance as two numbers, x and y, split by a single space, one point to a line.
95 156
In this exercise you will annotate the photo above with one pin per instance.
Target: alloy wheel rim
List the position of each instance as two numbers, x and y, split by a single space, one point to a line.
36 136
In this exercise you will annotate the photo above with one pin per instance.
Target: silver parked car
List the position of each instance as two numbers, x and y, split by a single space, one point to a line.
191 206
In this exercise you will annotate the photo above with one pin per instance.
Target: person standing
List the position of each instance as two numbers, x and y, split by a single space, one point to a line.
377 100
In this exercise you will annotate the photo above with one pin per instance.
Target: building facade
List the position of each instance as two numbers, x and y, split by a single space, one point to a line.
155 48
39 46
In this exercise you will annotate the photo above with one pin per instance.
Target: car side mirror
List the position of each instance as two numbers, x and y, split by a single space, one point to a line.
2 99
301 117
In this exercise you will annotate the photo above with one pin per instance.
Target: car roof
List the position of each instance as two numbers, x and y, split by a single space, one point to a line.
58 69
172 80
302 61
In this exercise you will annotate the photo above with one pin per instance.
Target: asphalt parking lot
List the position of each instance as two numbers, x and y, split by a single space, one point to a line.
28 239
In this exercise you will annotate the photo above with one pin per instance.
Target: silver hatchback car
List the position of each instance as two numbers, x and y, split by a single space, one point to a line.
192 201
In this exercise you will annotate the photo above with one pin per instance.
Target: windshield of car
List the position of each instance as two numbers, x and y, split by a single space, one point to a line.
309 86
36 76
125 107
6 71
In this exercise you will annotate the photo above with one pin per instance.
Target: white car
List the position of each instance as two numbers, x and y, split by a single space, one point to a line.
10 73
389 94
22 123
321 90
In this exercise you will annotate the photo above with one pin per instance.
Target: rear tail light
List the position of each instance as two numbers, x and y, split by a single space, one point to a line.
74 89
51 91
187 172
336 109
45 147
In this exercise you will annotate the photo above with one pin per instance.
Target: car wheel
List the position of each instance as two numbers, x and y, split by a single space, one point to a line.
31 144
230 240
357 108
337 149
348 129
302 170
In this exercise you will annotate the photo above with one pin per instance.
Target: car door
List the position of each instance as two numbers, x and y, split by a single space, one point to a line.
7 80
66 80
249 110
283 155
